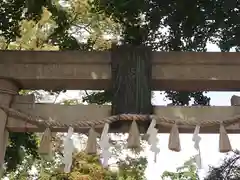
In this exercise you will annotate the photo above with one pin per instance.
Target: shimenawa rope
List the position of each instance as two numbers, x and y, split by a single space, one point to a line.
41 122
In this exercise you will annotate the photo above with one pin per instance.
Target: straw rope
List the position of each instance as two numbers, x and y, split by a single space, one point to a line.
43 122
185 123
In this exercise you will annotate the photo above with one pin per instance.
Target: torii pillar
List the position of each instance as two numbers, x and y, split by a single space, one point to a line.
8 90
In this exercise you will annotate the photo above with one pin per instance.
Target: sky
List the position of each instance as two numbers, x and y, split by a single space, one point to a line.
168 160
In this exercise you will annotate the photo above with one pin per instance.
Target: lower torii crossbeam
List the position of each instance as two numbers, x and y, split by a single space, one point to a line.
72 114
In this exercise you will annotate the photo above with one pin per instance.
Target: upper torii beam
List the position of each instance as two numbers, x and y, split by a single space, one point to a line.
50 70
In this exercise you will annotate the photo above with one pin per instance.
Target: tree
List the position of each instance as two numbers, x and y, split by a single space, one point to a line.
229 169
143 22
46 25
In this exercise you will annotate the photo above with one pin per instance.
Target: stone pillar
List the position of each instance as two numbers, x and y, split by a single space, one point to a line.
7 90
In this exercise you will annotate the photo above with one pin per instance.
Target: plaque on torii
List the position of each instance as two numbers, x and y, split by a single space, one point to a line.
73 70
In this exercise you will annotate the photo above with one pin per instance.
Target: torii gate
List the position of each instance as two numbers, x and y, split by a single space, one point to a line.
73 70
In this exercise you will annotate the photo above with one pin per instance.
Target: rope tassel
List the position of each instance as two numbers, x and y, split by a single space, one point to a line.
224 142
174 140
45 148
134 136
92 142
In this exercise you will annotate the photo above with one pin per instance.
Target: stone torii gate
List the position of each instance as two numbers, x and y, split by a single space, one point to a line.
74 70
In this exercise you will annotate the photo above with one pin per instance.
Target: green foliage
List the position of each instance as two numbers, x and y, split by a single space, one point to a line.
79 28
85 167
128 14
187 172
184 98
132 168
11 14
32 36
89 167
20 145
99 97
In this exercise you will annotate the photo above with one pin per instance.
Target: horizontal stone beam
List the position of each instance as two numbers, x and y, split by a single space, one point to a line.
61 113
23 99
73 114
51 70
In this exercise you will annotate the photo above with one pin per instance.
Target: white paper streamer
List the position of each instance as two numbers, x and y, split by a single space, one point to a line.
153 139
105 145
198 161
154 143
68 151
196 138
